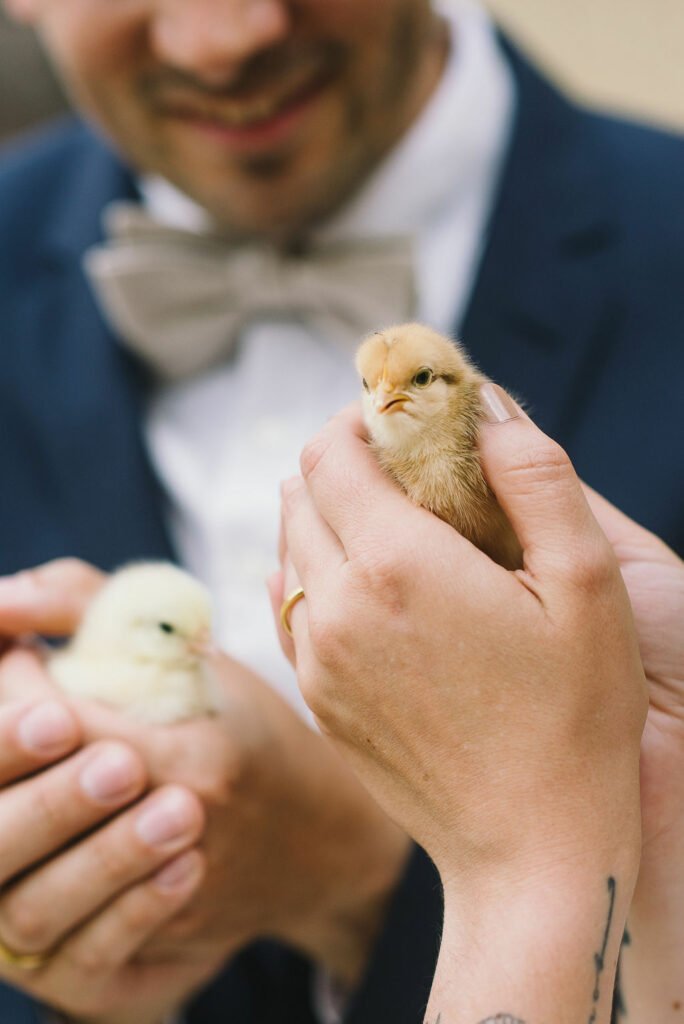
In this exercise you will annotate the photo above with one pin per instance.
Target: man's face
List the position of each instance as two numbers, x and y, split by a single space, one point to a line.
267 112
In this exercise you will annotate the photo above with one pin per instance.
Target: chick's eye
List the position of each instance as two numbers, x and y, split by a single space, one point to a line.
166 627
365 384
423 378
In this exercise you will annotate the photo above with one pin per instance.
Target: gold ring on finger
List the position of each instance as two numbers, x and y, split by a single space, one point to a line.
24 961
287 606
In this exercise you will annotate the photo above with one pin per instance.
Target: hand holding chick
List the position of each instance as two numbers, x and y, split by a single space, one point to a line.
141 646
264 780
422 409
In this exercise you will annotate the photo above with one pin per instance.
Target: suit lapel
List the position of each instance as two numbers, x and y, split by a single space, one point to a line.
95 471
540 306
541 299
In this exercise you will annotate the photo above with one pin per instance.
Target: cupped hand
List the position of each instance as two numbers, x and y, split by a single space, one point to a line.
282 810
495 715
91 862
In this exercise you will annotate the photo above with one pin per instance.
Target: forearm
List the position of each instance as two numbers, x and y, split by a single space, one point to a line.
542 951
651 974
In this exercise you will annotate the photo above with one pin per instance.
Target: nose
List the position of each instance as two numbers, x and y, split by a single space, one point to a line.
210 39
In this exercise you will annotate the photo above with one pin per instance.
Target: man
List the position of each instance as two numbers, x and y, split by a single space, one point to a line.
417 163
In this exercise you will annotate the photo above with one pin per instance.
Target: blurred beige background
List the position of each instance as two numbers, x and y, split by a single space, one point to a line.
624 54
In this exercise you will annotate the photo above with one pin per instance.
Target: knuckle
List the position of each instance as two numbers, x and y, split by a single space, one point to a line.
142 910
381 575
329 636
215 784
90 960
592 569
112 857
312 453
23 924
544 464
50 808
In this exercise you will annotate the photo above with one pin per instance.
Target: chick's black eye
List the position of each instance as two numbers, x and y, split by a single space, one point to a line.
365 384
423 378
166 627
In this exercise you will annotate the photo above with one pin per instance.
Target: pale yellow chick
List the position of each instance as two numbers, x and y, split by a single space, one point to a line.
422 408
142 646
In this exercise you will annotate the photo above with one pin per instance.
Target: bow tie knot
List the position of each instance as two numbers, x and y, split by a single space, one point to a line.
179 300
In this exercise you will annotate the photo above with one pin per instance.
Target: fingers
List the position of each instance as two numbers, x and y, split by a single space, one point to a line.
313 548
349 490
536 485
116 935
42 814
276 593
33 735
24 678
49 599
37 912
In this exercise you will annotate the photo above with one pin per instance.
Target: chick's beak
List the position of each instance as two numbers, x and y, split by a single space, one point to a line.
202 644
387 399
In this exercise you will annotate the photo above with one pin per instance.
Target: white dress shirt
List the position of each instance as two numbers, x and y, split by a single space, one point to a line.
222 442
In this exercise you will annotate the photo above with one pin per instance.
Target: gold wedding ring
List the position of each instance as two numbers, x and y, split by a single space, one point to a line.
287 606
24 961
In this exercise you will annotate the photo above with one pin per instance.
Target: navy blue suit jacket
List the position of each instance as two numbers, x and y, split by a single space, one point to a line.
578 307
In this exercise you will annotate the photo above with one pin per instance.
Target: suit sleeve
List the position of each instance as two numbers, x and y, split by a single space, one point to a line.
399 977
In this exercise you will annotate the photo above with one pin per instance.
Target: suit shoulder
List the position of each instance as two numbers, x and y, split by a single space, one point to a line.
32 170
645 167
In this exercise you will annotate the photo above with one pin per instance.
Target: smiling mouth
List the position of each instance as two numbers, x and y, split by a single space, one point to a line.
250 113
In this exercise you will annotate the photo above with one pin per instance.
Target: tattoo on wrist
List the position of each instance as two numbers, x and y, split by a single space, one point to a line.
599 966
619 1006
502 1018
600 958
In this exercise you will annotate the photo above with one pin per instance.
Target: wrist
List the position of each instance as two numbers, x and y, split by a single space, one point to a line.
651 965
542 947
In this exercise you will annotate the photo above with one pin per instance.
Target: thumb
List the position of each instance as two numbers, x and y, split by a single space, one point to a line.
49 599
535 484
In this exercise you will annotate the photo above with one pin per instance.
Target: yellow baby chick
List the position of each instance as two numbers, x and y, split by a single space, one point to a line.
422 408
141 646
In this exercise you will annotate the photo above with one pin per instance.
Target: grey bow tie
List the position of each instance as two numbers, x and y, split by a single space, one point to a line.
179 299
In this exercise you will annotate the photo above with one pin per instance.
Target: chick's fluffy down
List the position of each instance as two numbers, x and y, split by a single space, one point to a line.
142 646
421 404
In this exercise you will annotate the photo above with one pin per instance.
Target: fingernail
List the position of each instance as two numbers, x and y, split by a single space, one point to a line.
14 588
47 729
179 872
497 404
111 776
168 819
